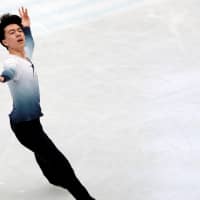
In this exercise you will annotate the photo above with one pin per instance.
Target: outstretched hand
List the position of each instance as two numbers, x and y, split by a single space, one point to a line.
1 79
23 12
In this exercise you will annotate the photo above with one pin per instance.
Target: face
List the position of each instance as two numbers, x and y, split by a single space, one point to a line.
14 37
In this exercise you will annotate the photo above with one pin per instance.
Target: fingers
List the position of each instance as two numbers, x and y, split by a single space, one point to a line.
23 11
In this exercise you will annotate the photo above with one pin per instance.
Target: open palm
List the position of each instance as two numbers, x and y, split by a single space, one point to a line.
23 12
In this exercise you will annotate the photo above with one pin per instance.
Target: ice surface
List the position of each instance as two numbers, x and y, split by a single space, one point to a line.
120 93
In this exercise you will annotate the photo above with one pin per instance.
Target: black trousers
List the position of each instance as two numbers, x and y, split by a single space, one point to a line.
54 165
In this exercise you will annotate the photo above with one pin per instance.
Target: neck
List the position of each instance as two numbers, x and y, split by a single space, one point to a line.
20 53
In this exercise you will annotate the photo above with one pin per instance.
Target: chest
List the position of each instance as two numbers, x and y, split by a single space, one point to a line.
25 70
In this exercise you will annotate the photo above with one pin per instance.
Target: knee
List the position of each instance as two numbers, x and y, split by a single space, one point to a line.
54 180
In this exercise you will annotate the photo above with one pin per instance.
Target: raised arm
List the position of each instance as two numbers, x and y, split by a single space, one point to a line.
26 22
23 12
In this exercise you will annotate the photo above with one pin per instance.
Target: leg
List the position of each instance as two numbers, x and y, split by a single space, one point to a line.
52 162
47 170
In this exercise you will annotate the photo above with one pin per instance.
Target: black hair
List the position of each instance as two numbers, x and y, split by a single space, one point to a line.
6 20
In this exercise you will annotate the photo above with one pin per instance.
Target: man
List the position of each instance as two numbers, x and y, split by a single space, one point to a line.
20 74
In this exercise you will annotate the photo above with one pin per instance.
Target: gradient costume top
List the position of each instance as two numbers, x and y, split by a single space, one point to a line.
23 83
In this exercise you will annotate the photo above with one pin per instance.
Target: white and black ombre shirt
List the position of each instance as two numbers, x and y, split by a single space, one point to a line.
22 80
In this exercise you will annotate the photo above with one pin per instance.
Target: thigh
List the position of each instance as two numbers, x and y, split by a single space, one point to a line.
32 136
24 133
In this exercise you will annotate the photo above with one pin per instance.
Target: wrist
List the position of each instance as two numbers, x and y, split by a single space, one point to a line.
26 26
2 79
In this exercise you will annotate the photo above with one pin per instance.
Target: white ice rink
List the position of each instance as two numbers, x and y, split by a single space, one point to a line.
120 91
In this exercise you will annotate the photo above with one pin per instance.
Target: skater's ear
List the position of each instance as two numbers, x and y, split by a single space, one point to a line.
4 43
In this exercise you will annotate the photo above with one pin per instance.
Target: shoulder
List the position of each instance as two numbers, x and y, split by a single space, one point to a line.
11 61
10 69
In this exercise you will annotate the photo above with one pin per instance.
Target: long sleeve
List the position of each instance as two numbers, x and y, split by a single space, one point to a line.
29 44
9 72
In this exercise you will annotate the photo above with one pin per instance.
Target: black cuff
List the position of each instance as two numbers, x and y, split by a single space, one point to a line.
6 78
